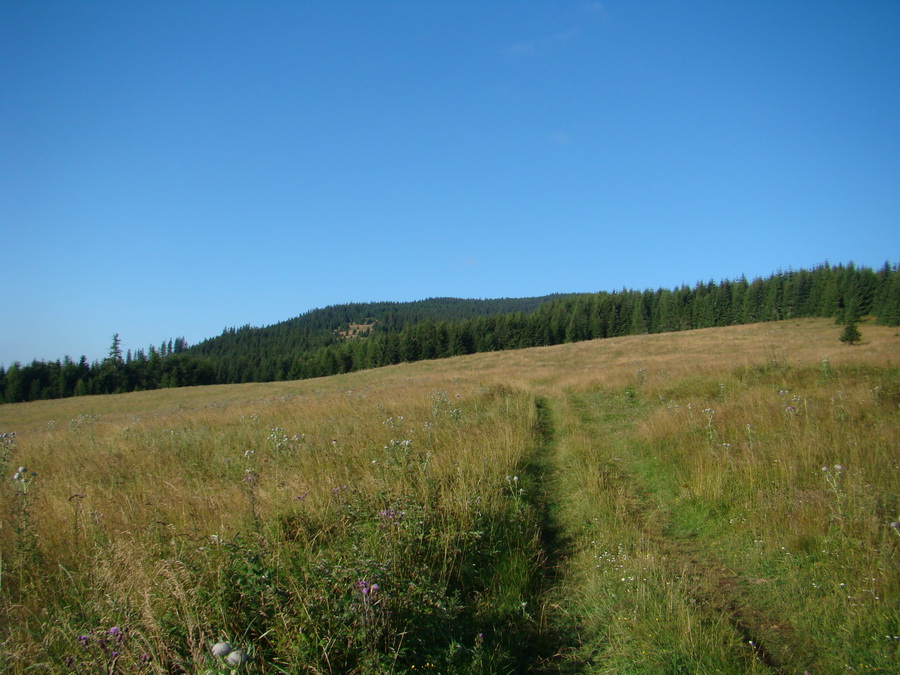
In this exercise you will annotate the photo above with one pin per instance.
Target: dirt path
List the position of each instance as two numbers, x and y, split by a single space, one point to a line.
711 591
553 646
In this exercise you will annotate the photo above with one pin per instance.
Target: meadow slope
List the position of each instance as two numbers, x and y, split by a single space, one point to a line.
718 500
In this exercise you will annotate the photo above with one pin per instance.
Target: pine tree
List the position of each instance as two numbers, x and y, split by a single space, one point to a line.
112 365
851 333
115 350
889 307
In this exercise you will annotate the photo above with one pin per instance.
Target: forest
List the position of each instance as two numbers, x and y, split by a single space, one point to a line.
313 344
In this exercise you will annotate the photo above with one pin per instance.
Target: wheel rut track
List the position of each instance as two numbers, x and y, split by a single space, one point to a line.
718 591
552 645
723 593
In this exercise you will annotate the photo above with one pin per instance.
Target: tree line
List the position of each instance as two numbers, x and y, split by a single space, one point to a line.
166 366
312 345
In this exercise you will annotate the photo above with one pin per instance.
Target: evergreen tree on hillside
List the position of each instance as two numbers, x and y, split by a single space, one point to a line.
13 389
852 311
751 309
115 350
888 300
111 369
639 315
851 333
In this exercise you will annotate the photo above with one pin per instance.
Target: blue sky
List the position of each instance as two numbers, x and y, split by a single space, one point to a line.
174 168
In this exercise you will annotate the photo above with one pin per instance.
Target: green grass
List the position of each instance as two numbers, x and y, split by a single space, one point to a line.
721 524
650 504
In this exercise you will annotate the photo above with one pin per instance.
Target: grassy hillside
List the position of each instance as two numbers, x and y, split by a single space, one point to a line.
719 500
317 345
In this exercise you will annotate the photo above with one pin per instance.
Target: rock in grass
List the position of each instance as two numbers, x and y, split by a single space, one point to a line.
221 649
237 657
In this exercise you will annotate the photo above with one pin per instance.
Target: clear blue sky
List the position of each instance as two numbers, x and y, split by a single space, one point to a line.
174 168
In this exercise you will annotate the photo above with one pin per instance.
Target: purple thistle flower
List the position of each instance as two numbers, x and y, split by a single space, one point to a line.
366 588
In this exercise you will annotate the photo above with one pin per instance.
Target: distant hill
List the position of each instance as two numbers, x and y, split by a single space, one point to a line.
358 336
248 353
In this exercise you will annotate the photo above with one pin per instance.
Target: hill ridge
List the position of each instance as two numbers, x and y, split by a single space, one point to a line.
311 345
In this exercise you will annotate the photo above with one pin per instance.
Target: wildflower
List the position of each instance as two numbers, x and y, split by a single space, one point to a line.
366 588
838 467
392 515
221 649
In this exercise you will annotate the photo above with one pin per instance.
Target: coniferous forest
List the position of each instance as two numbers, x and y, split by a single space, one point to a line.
350 337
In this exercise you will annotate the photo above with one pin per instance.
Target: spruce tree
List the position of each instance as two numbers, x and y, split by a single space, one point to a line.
115 350
851 333
112 365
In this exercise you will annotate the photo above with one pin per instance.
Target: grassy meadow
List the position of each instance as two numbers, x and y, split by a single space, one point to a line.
715 501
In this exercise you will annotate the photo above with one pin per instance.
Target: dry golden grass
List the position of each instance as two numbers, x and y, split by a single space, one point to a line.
610 363
654 434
